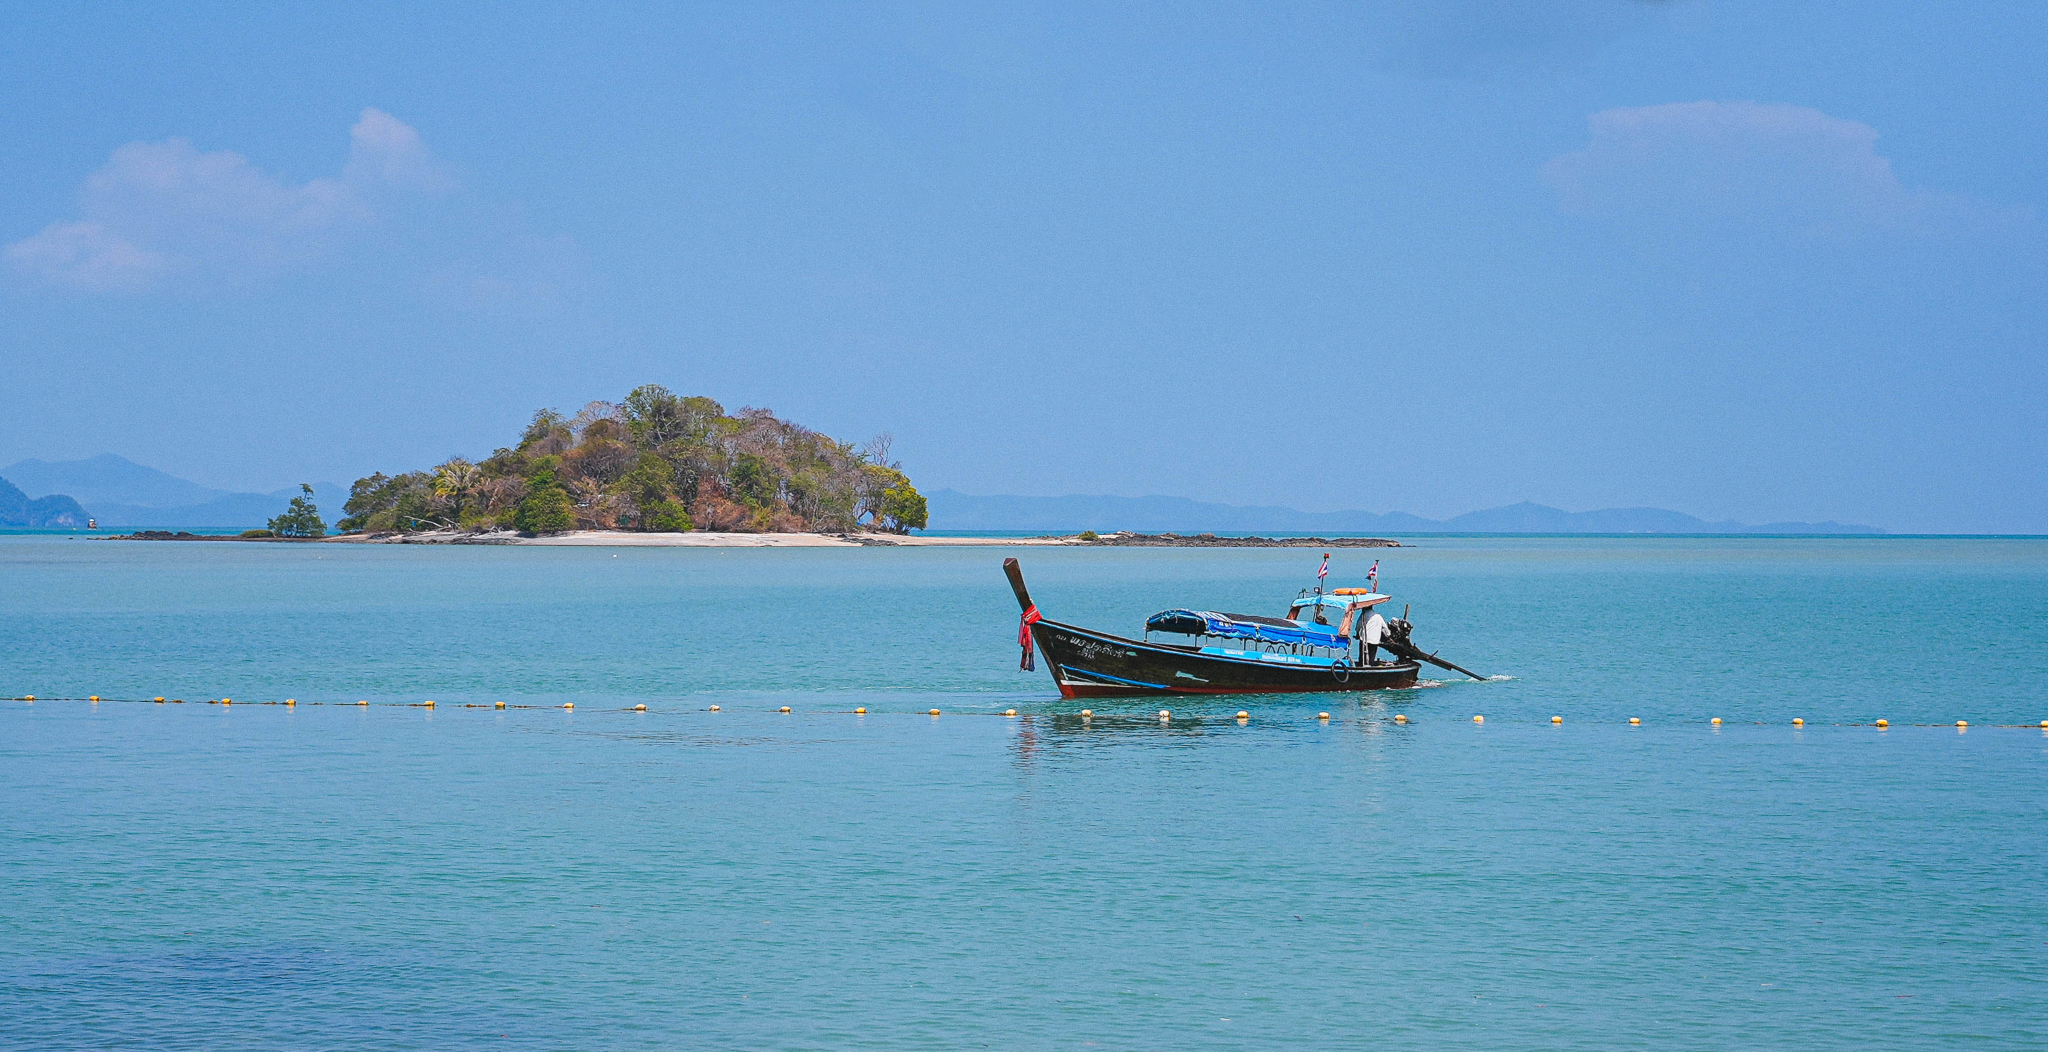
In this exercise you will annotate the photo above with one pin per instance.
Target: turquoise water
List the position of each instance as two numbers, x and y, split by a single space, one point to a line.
389 876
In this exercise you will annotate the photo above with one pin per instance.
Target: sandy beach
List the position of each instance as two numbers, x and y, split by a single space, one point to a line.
712 539
715 539
697 539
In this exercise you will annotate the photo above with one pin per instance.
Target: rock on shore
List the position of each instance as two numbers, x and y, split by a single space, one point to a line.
1210 540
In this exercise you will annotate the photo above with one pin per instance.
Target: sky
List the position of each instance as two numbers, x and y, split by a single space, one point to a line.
1747 260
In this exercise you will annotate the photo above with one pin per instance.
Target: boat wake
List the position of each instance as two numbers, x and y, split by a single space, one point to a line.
1453 682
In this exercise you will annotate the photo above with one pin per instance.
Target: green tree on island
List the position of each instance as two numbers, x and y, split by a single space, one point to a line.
655 461
903 509
545 508
300 518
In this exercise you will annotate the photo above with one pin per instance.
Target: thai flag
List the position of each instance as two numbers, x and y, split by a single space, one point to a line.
1324 571
1372 576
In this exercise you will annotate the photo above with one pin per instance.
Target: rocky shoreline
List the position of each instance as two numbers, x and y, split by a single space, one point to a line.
1210 540
183 535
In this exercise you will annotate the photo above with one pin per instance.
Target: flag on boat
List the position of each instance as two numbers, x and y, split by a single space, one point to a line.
1372 576
1325 570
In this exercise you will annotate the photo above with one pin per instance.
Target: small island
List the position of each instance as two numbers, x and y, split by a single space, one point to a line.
653 463
659 469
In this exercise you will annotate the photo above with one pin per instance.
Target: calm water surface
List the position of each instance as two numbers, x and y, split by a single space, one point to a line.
389 876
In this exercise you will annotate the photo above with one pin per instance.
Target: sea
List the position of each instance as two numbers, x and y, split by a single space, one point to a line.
715 873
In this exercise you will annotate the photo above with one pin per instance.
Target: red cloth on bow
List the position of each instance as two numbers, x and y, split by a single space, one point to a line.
1031 617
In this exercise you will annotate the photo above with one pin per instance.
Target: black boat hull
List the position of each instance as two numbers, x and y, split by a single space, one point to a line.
1087 664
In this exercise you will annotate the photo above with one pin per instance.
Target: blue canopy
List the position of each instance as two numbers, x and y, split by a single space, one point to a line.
1342 599
1244 626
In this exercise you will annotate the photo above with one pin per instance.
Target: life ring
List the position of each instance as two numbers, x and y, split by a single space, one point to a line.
1341 671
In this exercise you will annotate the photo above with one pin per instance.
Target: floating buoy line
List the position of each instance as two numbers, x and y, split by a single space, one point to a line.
1164 716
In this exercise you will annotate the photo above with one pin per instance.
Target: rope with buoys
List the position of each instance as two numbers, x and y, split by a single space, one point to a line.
1341 671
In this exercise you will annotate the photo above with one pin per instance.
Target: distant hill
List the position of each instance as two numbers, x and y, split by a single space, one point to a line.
108 479
125 495
951 510
56 511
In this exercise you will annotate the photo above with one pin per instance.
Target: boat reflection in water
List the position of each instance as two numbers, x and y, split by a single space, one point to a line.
1325 643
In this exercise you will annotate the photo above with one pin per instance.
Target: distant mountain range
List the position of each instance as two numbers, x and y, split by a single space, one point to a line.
954 511
51 512
122 494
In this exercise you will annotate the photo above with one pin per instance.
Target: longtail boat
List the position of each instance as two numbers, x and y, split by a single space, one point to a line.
1319 646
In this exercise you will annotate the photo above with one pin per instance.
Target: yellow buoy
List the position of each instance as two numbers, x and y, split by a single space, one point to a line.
1962 723
93 698
862 711
1165 714
227 701
785 708
568 704
1797 722
430 703
1398 718
291 701
1635 721
1717 721
714 708
1322 715
1086 713
28 697
1243 715
935 712
1883 723
642 707
498 705
362 703
1478 719
1009 712
1557 719
2044 725
161 701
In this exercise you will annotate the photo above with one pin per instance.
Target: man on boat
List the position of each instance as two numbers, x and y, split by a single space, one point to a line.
1375 630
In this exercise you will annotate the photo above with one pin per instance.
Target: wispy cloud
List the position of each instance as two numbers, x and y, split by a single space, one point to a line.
1763 164
159 211
519 275
1478 39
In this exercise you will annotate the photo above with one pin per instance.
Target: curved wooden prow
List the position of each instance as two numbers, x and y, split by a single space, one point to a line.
1016 576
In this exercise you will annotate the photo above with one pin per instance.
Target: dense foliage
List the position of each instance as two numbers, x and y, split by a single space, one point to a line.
653 462
301 519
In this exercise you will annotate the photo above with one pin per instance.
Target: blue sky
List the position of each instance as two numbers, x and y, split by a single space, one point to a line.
1745 260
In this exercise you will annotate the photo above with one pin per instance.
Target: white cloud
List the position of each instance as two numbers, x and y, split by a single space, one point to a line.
385 150
162 209
88 256
1768 164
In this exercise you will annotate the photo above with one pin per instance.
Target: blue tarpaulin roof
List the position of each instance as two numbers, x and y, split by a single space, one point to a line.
1350 598
1243 626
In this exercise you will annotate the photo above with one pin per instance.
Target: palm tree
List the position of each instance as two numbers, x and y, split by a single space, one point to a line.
454 482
